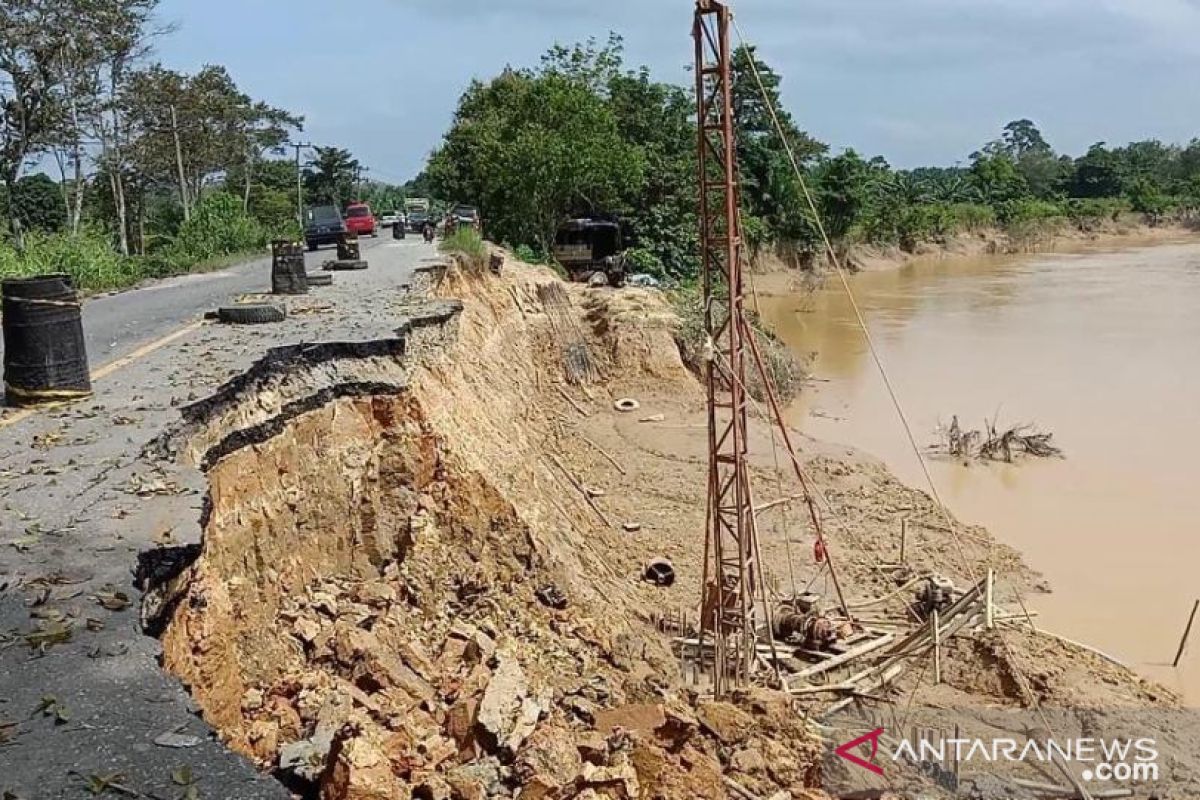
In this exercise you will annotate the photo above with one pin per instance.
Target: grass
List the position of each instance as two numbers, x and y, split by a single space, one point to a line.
88 258
94 266
468 244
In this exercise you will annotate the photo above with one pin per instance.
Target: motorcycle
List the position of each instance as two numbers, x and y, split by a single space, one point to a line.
428 232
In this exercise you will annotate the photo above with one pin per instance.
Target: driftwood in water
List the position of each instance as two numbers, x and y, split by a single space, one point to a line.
992 444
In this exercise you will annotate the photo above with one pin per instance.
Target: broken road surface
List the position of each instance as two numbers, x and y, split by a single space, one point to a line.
84 705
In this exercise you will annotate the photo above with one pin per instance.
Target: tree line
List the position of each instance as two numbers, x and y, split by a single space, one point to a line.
155 169
582 134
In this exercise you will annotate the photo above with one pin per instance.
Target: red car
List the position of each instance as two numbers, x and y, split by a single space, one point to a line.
360 220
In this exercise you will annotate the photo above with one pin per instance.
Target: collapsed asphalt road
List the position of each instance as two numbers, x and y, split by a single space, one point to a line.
84 706
116 324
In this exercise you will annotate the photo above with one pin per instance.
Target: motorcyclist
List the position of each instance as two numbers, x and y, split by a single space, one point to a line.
428 231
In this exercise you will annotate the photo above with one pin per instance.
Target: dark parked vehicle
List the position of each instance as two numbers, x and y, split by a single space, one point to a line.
323 225
460 217
417 220
588 246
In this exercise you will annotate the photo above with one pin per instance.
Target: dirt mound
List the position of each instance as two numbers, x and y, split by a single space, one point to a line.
414 594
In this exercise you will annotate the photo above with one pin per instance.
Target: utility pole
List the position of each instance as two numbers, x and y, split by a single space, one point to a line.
358 173
299 181
183 193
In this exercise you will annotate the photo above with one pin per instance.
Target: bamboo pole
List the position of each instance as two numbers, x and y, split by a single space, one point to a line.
989 613
937 650
1186 633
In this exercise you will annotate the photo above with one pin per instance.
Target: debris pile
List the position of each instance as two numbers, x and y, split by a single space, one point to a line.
992 444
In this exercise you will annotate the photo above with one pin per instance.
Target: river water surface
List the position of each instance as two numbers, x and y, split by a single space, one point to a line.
1103 350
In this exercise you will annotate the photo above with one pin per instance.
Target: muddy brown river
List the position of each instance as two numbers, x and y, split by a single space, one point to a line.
1100 348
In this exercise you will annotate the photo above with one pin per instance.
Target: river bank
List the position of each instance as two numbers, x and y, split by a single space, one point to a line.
1129 231
1089 345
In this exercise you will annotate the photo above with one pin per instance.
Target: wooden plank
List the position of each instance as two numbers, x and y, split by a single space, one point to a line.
846 657
954 619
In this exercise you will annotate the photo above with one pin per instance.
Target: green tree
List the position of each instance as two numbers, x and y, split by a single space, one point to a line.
331 177
1189 162
38 203
1097 174
769 186
189 129
262 131
656 119
1146 197
846 183
382 196
1023 144
272 194
1150 162
997 179
591 65
420 186
530 149
31 111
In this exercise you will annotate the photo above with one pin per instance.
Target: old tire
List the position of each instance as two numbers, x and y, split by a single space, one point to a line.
251 314
320 279
346 264
627 404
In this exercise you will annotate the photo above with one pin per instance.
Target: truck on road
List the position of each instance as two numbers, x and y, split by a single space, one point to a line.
419 204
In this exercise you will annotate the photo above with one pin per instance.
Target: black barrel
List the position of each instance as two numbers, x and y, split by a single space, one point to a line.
288 275
45 359
348 247
398 229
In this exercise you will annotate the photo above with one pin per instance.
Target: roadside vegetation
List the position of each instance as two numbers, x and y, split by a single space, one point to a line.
784 368
581 134
468 244
155 171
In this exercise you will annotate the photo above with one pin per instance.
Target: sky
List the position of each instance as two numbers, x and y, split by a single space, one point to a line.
921 82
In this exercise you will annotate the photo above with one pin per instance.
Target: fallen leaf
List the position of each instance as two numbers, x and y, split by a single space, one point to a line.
183 776
101 783
49 633
52 614
24 544
51 707
113 600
